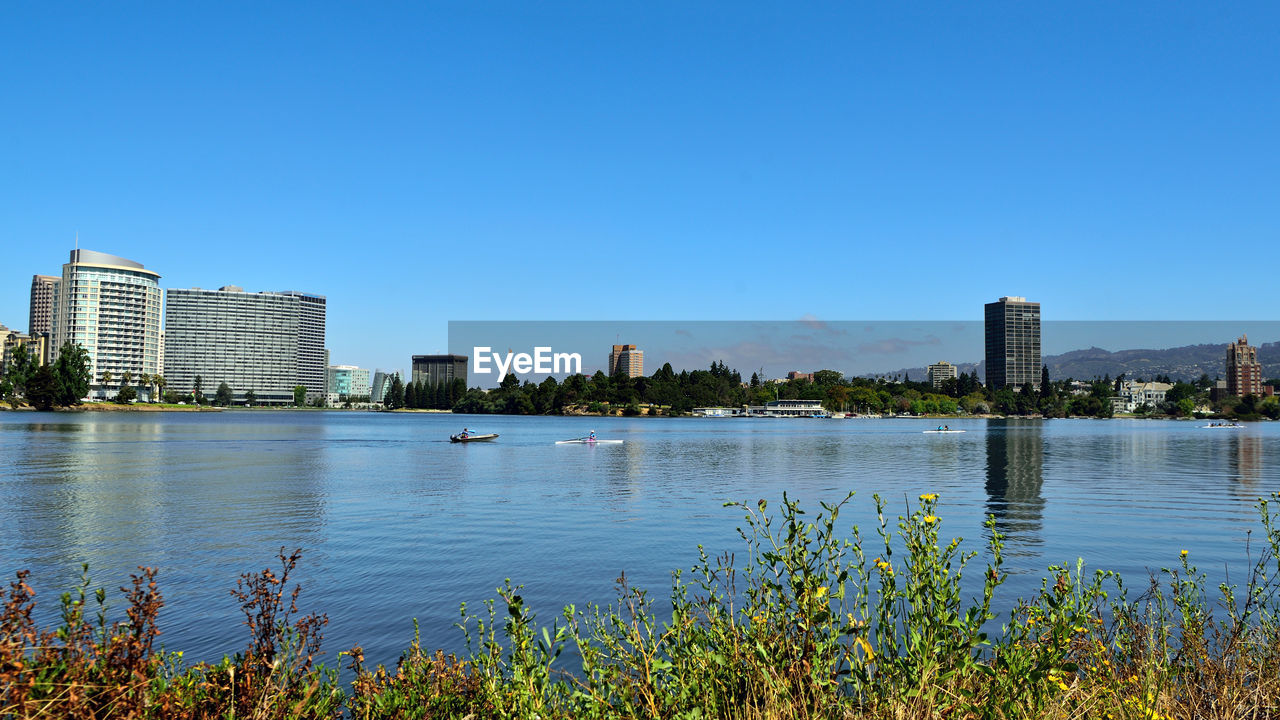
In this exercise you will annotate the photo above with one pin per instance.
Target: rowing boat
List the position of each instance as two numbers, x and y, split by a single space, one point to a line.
941 432
473 438
588 441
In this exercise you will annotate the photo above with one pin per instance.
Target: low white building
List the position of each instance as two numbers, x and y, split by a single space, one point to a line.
789 408
348 381
1136 394
717 412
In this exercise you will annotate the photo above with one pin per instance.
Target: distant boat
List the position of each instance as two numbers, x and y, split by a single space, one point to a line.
1232 426
941 432
588 441
473 438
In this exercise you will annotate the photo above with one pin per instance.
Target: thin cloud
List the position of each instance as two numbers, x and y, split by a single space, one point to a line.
895 346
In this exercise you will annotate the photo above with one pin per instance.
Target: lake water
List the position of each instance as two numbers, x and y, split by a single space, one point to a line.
396 523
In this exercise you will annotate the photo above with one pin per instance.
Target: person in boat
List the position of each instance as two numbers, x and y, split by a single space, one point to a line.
465 432
592 436
946 427
939 428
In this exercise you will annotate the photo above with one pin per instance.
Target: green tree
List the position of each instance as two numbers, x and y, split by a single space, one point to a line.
411 395
223 395
1186 406
126 378
250 397
20 368
159 381
144 381
197 387
105 377
42 388
71 375
827 377
127 394
395 396
299 395
1046 387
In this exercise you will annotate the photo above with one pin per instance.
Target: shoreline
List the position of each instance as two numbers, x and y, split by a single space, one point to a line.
161 408
885 638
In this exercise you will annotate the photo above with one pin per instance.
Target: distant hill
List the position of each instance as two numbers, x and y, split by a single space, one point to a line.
1188 362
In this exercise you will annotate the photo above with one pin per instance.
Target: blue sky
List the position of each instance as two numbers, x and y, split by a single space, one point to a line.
425 162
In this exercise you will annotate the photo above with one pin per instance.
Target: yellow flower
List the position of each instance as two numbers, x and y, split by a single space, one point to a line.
821 591
866 647
1183 553
929 496
931 519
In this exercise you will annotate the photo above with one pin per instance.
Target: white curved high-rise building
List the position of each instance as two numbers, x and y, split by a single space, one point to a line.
110 306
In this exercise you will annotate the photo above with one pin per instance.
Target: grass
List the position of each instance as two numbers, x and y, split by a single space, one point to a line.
809 621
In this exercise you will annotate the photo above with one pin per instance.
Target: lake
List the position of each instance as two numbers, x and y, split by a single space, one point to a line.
397 523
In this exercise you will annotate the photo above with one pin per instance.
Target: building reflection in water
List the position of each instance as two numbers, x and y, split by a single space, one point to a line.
1015 476
104 491
1244 459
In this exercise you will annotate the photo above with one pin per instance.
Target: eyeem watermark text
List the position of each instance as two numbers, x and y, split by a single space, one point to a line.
543 361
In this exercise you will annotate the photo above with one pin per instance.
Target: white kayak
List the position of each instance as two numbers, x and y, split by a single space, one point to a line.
1221 427
586 441
941 432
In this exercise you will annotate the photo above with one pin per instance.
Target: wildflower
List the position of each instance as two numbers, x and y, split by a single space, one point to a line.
929 496
1183 553
930 519
821 591
866 647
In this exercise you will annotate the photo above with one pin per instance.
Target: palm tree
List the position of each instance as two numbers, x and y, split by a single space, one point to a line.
158 381
106 378
144 380
127 378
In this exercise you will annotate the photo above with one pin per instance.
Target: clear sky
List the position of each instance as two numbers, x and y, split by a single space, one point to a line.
425 162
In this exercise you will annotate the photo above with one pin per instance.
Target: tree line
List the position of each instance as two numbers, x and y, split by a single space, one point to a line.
419 395
61 383
667 392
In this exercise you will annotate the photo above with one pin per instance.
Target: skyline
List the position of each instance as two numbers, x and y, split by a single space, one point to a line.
421 165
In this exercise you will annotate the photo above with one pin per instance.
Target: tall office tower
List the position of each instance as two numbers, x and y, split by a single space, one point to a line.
109 306
40 321
313 364
1244 372
250 341
1013 343
436 369
626 359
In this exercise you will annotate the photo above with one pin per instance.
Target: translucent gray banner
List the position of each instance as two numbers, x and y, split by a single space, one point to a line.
533 350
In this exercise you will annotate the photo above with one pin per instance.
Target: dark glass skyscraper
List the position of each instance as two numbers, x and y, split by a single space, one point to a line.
1013 342
436 369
